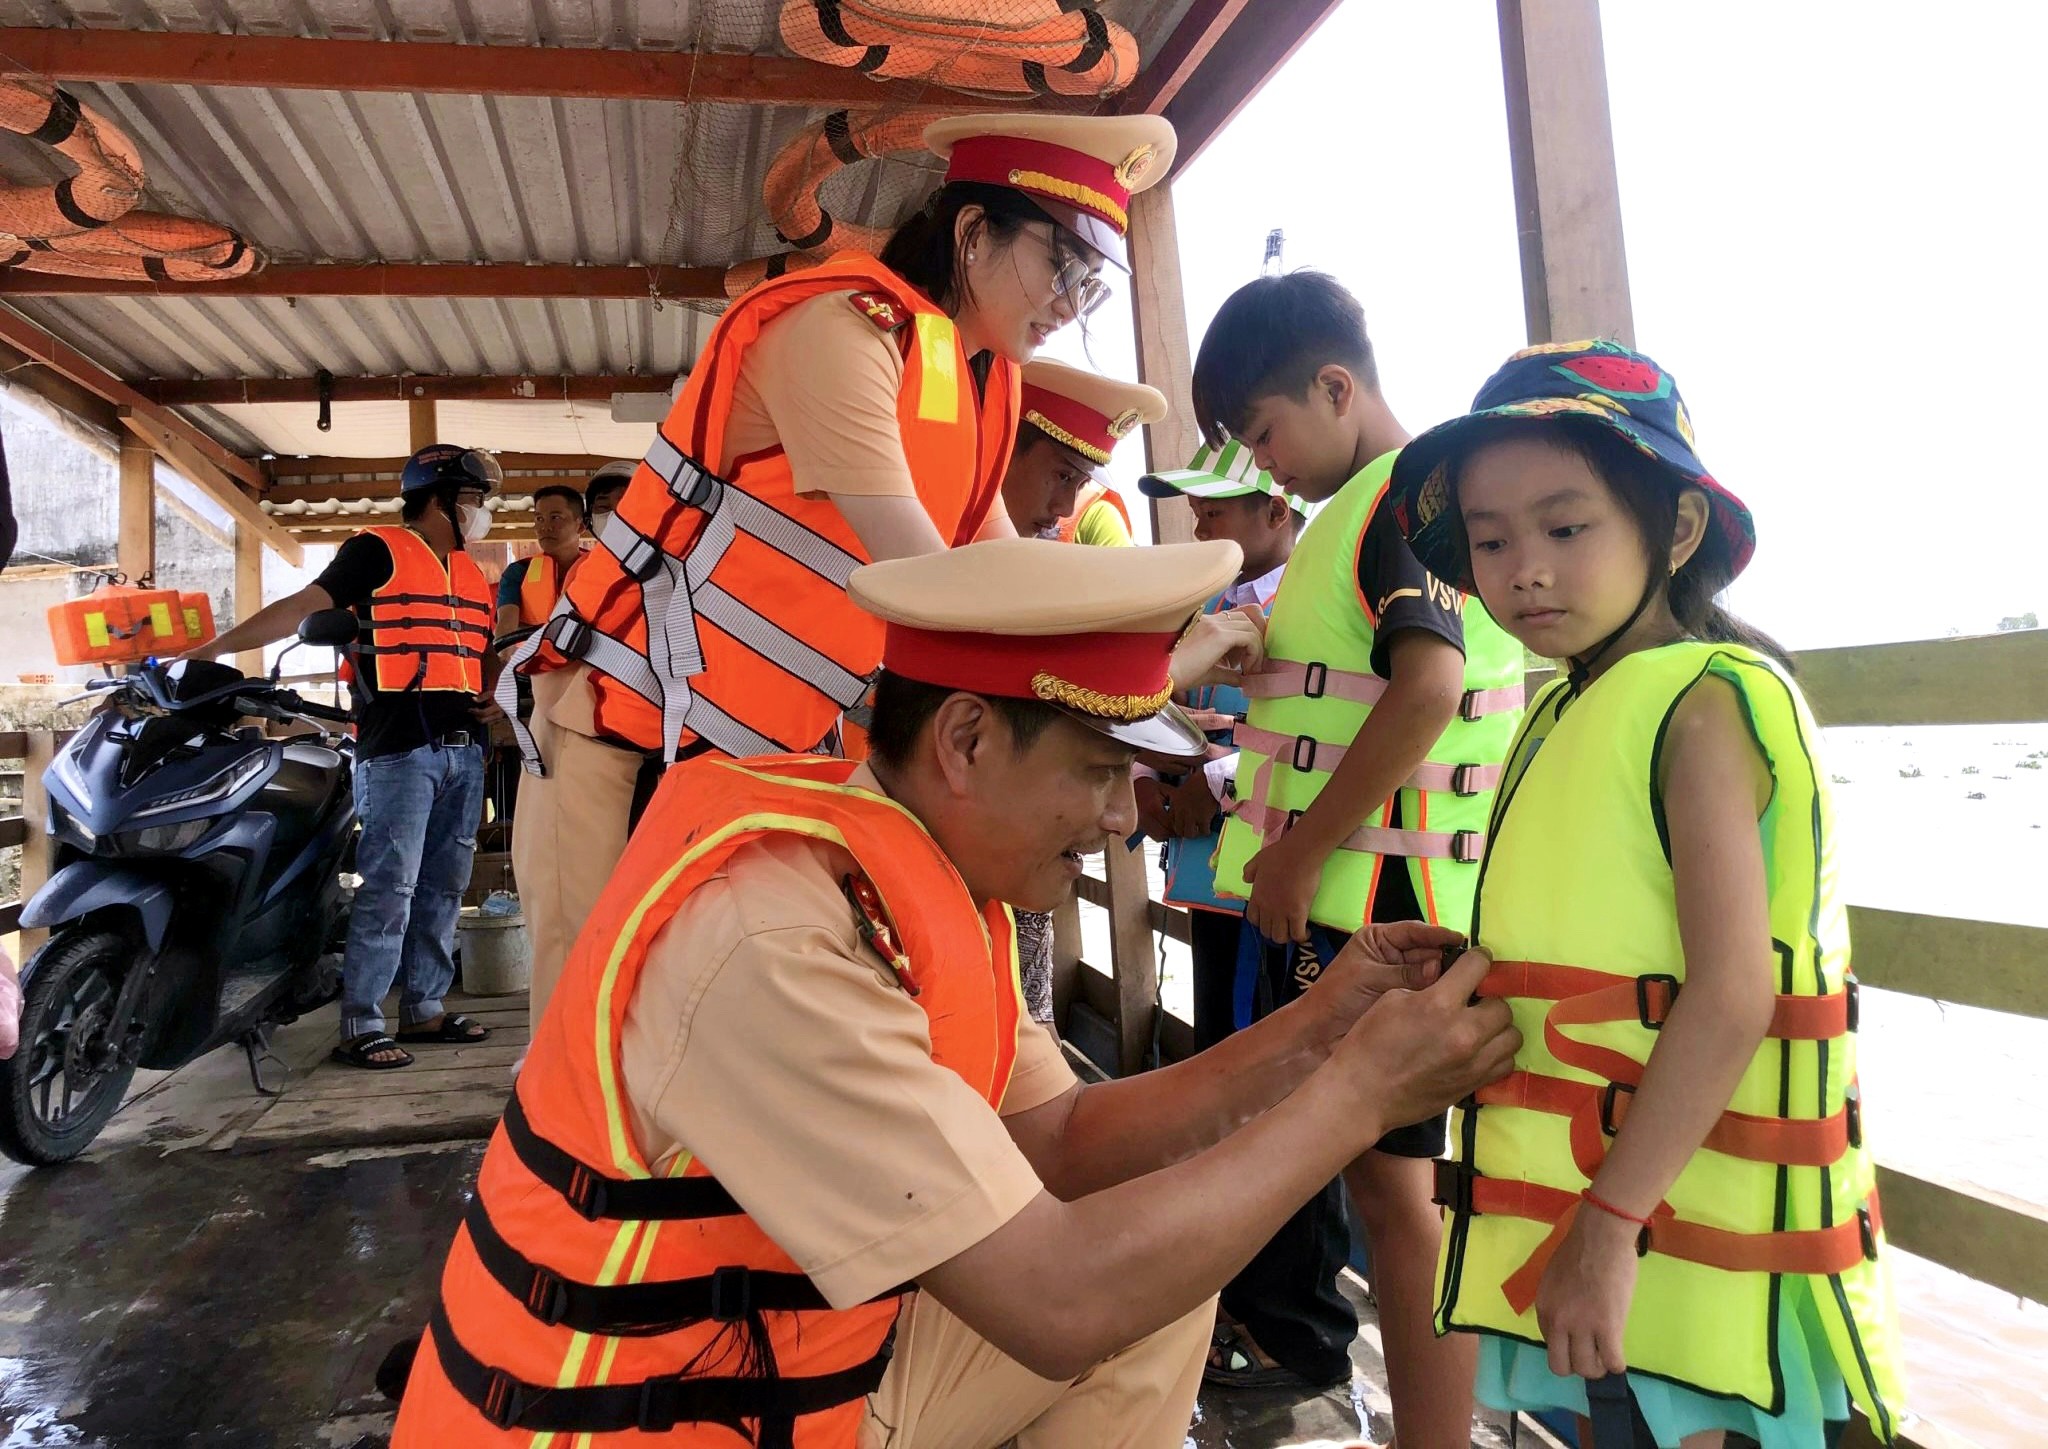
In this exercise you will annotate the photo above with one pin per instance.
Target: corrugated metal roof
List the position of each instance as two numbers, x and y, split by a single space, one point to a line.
364 176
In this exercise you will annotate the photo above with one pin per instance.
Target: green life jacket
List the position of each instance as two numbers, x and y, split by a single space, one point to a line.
1577 908
1316 690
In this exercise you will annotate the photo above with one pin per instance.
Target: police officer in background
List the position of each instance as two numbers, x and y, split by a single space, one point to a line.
424 609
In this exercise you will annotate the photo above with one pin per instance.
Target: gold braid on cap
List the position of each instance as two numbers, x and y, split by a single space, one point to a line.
1072 191
1126 707
1060 435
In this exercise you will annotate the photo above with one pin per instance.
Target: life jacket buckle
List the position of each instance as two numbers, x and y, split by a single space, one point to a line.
1853 987
586 1193
1653 1019
547 1297
1304 746
1852 1110
732 1294
1866 1228
1468 707
1467 846
1610 1096
504 1400
1292 817
1453 1188
653 1416
641 560
572 637
694 487
1315 679
1462 777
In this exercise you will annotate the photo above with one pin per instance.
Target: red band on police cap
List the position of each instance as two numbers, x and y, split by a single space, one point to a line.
1122 667
1057 172
1080 427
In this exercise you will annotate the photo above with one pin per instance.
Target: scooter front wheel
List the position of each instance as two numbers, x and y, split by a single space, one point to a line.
68 1075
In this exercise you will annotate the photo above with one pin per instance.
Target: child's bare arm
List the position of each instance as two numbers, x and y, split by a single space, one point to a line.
1426 679
1715 786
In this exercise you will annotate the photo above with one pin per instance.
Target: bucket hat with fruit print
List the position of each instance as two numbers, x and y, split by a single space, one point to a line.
1621 389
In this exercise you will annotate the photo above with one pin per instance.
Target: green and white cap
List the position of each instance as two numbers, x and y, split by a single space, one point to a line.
1225 472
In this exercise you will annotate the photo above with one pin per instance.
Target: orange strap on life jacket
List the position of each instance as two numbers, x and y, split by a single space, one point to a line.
1586 997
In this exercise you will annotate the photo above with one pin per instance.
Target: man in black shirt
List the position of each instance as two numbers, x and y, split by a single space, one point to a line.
424 616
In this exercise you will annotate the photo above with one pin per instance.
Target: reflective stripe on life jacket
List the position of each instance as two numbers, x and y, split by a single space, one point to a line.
539 587
1577 906
1308 704
585 1294
714 607
431 624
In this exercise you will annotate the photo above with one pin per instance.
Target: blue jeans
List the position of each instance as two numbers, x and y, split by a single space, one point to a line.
419 812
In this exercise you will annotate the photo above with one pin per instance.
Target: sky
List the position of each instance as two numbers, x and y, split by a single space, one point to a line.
1833 220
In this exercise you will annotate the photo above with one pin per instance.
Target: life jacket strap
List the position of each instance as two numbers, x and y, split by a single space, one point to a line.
651 1406
1466 847
1305 753
1587 997
1817 1252
1288 678
595 1195
725 1295
1597 1110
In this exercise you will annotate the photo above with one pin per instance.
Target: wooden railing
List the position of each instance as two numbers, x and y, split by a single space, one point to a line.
35 749
1994 679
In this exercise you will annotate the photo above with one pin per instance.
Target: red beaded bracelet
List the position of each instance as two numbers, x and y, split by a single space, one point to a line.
1607 1207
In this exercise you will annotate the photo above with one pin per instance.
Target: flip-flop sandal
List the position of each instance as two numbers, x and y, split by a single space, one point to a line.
1240 1367
363 1054
453 1030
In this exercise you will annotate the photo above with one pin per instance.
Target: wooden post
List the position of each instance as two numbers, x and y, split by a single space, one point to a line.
419 416
1164 357
1066 960
38 848
1133 961
1567 199
248 591
135 551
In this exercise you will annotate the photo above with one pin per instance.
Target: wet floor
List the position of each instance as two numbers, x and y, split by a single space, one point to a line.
240 1301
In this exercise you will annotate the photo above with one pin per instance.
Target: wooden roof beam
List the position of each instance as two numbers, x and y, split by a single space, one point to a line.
158 57
67 361
175 447
299 469
1218 58
400 279
231 391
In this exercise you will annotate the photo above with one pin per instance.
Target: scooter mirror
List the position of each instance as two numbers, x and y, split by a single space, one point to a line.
332 628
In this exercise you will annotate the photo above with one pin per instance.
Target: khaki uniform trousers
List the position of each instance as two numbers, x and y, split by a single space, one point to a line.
948 1388
568 831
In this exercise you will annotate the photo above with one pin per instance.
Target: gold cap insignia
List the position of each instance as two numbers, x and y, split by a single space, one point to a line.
1131 170
1121 425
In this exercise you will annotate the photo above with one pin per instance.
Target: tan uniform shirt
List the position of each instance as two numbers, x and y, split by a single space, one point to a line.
820 382
768 1041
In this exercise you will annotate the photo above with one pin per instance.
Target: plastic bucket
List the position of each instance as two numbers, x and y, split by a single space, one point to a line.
497 955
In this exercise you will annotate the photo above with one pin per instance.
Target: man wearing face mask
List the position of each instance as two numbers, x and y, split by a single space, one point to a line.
424 609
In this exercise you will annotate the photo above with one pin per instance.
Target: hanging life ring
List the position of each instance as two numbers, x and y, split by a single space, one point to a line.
1041 47
86 225
801 168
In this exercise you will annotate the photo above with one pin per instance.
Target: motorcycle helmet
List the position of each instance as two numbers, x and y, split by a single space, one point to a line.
446 471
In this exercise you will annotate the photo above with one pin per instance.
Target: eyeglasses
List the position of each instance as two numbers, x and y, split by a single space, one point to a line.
1074 277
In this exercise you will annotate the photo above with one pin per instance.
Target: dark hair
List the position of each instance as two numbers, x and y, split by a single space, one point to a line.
925 252
903 707
596 488
563 491
412 507
1271 338
1648 492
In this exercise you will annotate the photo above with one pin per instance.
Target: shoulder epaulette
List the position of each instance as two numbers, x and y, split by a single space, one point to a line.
880 310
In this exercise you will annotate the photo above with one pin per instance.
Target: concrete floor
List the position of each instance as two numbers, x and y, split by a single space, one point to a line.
223 1271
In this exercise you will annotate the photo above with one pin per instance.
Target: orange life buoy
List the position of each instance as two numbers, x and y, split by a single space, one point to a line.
1039 47
802 167
86 225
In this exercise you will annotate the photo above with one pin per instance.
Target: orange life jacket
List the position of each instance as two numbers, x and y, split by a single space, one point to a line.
715 608
1088 497
432 623
539 587
586 1295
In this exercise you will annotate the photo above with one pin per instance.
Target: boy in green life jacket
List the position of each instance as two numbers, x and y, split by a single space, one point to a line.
1370 754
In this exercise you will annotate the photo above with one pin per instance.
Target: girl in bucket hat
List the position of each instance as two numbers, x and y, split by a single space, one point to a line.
1671 1191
